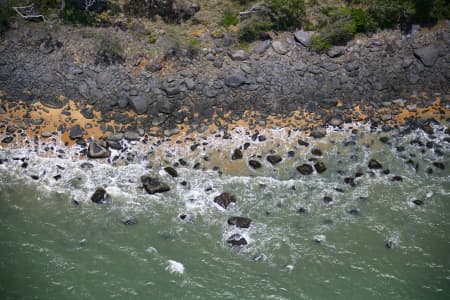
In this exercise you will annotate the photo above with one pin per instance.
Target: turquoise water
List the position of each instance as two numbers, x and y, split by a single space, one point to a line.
53 249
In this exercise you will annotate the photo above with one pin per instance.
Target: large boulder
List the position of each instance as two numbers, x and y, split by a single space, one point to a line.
139 104
303 37
153 185
427 55
305 169
237 240
225 199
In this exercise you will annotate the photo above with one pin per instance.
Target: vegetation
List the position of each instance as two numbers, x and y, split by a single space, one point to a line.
109 50
6 14
229 18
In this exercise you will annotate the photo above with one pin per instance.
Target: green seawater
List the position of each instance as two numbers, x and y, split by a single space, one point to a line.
53 249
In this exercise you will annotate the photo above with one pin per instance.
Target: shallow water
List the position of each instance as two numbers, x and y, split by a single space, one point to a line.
53 249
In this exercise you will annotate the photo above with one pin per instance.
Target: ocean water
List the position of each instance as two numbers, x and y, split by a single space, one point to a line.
372 241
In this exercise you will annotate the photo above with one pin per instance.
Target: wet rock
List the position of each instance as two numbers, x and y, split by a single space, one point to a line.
305 169
254 164
131 135
87 113
225 199
114 145
354 212
373 164
95 150
237 240
397 178
76 132
390 243
241 222
274 159
139 104
171 171
427 128
418 202
153 185
235 80
427 55
302 210
336 121
350 181
320 167
319 238
7 139
327 199
316 152
318 133
303 143
101 196
237 154
384 139
129 221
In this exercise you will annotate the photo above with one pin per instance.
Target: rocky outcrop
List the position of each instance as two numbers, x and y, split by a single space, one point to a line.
225 199
153 185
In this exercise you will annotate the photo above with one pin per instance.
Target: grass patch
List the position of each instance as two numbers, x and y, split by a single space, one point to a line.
229 18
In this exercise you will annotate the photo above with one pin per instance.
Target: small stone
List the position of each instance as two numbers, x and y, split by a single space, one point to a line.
254 164
129 221
316 152
418 202
76 132
274 159
95 150
237 154
237 240
171 171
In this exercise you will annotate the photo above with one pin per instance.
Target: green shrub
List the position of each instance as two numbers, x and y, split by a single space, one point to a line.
229 18
254 28
319 44
6 14
286 14
109 50
192 47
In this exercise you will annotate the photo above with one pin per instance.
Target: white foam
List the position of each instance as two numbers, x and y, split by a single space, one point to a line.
175 267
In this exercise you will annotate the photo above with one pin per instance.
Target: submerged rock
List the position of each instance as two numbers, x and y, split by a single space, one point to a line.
225 199
373 164
101 196
418 202
154 185
129 221
237 240
241 222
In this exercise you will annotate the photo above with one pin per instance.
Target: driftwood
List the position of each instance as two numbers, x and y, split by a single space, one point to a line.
29 13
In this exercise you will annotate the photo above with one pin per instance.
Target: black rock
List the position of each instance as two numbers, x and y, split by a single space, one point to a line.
261 138
397 178
101 196
305 169
254 164
373 164
153 185
241 222
75 132
235 80
171 171
316 152
350 181
237 240
318 133
439 165
302 210
225 199
354 212
7 139
384 139
327 199
418 202
303 143
86 166
237 154
57 177
139 104
320 167
95 150
129 221
274 159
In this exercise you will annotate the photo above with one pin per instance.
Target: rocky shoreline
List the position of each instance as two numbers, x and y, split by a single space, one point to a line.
271 78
